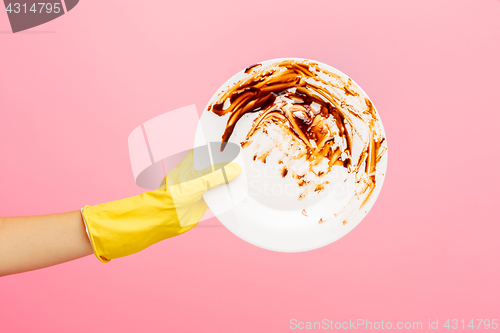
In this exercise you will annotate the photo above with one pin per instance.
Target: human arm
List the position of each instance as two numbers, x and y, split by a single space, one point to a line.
117 228
32 242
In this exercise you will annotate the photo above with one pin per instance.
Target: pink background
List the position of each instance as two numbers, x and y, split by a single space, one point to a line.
73 89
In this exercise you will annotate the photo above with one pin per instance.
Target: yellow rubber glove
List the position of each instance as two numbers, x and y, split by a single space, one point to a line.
123 227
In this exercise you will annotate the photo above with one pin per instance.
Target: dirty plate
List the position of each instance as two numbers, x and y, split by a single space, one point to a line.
312 148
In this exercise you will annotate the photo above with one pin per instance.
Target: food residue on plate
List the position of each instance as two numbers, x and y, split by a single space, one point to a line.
310 115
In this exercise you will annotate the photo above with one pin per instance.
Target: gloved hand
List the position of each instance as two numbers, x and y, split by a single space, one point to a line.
123 227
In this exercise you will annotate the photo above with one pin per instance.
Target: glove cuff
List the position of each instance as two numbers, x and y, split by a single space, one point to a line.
92 241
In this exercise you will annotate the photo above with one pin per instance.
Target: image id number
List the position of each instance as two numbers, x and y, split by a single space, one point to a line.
36 8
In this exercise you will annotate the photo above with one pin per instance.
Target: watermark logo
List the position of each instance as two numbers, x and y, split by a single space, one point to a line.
27 14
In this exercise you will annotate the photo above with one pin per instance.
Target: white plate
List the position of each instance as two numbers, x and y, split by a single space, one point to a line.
262 208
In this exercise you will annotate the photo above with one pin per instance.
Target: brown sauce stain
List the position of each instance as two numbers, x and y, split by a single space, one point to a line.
249 68
284 172
315 117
